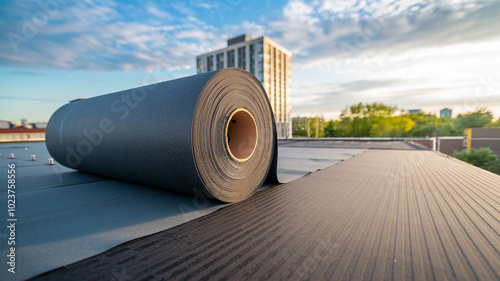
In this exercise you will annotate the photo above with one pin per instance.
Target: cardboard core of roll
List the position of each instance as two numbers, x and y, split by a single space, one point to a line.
241 135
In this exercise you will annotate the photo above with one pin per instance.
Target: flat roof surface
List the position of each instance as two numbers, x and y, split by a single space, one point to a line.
383 214
64 216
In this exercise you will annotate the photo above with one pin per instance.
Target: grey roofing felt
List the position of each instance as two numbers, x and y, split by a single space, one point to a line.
174 135
65 216
381 215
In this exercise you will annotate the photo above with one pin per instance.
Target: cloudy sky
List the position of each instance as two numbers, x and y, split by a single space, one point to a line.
412 54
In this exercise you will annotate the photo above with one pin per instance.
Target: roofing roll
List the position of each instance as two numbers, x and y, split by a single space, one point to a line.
210 134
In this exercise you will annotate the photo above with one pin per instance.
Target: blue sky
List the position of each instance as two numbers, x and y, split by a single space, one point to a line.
412 54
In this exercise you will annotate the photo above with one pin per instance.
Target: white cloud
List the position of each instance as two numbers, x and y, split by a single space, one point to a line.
432 52
89 35
342 30
318 32
155 11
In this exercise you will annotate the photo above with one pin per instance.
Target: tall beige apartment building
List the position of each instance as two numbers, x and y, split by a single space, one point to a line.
266 60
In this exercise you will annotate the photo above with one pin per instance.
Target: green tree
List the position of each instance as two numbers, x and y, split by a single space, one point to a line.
331 129
299 125
482 158
308 127
428 125
476 119
395 126
425 125
358 120
380 120
315 127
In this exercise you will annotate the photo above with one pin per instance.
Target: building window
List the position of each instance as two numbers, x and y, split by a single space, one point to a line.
210 63
285 91
276 91
284 67
252 59
230 58
199 67
260 51
219 61
280 81
260 61
242 63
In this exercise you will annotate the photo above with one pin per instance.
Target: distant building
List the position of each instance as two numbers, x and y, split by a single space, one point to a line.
445 112
415 111
266 60
299 119
39 125
5 124
21 134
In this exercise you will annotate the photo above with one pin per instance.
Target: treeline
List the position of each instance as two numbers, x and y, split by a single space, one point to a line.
380 120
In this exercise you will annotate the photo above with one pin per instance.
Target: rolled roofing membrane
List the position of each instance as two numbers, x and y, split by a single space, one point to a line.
177 135
211 134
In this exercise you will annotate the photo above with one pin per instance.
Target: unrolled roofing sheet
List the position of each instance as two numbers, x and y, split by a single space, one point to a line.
65 216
